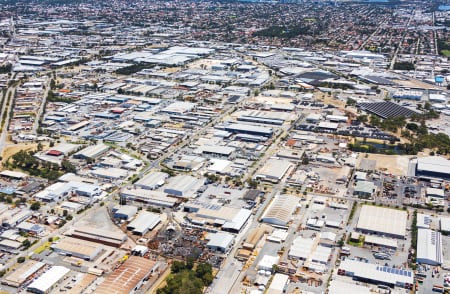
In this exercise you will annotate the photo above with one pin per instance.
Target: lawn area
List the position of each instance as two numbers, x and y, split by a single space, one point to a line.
42 248
445 53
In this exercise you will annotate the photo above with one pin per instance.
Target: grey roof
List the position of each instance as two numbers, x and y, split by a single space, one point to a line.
434 164
220 240
429 246
144 221
152 180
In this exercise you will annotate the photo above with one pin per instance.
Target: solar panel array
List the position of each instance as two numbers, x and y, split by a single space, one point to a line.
395 271
386 109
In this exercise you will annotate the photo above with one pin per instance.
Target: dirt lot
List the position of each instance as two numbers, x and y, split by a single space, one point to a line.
12 149
395 164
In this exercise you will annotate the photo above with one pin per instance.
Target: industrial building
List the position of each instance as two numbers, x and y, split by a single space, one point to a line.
92 152
274 170
278 284
429 247
183 186
128 277
229 218
376 274
152 180
315 256
144 222
217 151
23 273
236 128
433 167
110 173
365 189
382 221
280 210
149 197
48 280
220 242
125 212
107 237
78 248
444 224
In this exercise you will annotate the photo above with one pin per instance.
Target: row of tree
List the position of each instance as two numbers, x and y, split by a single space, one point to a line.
26 161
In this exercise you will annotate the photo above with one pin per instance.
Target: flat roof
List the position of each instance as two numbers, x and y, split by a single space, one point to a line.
376 272
382 220
144 221
278 283
152 180
23 272
436 164
220 240
93 151
274 168
157 197
127 276
77 246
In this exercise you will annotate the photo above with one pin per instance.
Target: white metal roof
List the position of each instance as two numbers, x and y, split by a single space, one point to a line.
382 220
377 272
280 211
433 164
152 180
429 246
49 278
278 283
144 221
220 240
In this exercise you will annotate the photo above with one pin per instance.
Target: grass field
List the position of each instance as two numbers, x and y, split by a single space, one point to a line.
445 53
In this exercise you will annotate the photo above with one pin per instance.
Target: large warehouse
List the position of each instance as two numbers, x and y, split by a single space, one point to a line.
376 274
429 247
382 221
149 197
274 170
144 222
79 248
152 180
45 283
433 167
183 186
280 210
237 128
23 273
128 277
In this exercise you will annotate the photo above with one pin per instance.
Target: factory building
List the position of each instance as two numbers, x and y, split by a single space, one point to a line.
51 278
376 274
183 186
144 222
92 152
220 242
236 128
125 212
433 167
78 248
152 180
280 210
429 247
274 170
382 221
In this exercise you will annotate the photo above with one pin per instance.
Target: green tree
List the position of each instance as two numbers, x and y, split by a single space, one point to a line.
35 206
26 243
